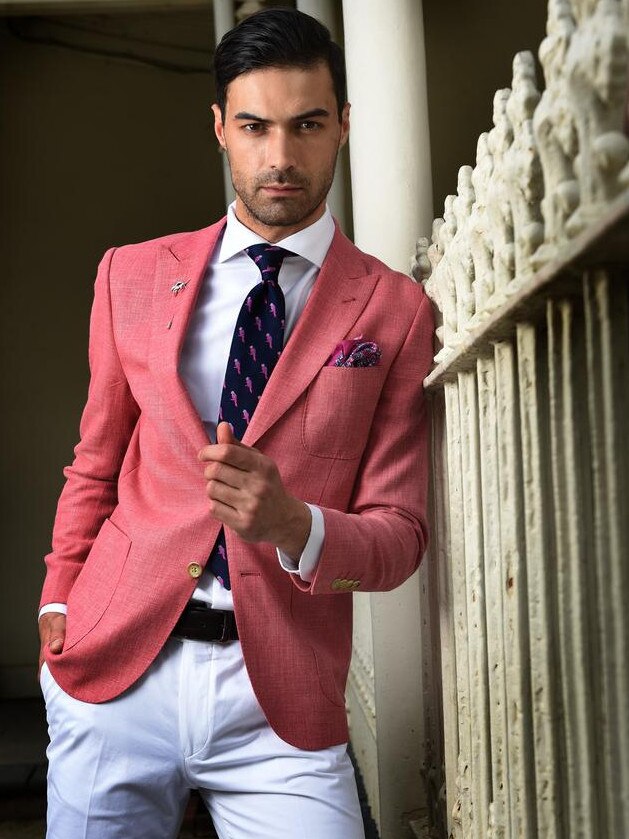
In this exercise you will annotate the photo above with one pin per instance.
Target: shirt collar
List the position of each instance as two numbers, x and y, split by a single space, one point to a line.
311 243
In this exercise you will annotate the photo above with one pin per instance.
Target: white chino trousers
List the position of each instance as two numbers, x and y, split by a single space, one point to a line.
123 769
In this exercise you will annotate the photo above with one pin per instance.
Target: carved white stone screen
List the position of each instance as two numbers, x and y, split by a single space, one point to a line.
529 271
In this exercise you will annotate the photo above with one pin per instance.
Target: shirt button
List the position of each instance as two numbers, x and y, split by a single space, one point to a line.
195 570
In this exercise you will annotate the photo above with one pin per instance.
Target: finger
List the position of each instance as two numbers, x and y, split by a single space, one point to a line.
225 514
231 496
224 434
225 473
241 457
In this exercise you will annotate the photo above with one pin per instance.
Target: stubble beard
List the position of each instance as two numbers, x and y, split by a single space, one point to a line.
287 211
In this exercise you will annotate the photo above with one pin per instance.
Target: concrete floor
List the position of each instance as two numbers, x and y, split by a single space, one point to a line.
23 740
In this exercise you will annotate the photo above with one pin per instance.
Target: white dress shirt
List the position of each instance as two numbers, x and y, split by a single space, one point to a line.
230 275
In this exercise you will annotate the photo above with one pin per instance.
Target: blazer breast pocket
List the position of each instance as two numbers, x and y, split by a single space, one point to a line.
94 588
339 409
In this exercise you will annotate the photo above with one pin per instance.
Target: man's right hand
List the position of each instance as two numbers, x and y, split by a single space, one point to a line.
52 634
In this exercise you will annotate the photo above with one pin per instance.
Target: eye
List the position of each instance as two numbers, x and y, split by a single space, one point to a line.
309 125
253 127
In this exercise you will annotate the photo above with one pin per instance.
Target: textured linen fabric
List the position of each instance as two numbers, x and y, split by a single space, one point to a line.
133 515
204 352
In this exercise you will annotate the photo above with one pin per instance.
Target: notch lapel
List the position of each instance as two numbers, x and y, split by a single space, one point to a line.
179 274
340 293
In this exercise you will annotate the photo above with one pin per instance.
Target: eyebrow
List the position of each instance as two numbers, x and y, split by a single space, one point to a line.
315 112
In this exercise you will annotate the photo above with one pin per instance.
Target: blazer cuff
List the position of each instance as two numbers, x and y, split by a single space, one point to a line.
307 565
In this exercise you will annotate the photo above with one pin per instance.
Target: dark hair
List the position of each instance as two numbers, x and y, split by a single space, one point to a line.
280 37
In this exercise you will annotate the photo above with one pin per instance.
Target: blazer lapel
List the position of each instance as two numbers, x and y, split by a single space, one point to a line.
178 277
340 293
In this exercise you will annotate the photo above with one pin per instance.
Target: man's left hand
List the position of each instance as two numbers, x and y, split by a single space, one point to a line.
247 494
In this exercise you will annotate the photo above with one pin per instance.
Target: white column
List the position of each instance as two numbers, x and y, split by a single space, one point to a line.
389 140
327 12
392 206
224 20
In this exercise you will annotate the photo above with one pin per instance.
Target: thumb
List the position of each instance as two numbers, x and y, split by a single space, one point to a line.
52 631
56 645
224 434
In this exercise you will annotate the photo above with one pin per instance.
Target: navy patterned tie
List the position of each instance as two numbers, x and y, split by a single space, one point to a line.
257 343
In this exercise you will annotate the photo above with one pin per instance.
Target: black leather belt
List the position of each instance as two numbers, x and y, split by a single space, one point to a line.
199 622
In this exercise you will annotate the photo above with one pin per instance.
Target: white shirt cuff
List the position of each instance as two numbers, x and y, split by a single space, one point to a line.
53 607
309 559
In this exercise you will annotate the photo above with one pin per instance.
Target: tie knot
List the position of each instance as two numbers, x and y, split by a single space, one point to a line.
268 258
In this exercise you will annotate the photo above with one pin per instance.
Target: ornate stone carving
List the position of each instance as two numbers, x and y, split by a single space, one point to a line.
460 255
421 267
499 214
434 251
445 289
596 69
481 242
555 132
425 272
525 186
550 165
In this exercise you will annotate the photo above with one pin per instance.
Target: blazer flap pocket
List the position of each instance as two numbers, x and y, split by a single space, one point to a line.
95 586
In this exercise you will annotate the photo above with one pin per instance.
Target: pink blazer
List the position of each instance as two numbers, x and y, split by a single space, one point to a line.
133 513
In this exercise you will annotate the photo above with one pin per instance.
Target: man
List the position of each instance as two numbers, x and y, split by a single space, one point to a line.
312 354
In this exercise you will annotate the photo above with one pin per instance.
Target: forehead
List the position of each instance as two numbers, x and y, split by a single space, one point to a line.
282 90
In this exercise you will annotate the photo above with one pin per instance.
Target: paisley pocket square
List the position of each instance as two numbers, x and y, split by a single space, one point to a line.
355 352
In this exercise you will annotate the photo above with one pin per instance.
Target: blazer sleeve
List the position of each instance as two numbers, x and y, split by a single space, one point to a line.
109 418
380 540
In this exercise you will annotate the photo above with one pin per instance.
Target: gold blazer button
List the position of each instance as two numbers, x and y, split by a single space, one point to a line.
195 570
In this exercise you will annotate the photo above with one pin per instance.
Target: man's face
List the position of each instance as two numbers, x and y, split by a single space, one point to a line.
282 134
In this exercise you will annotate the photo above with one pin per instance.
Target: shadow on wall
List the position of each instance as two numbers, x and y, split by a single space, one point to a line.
469 52
106 139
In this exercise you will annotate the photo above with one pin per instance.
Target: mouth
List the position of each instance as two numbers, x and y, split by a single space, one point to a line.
281 189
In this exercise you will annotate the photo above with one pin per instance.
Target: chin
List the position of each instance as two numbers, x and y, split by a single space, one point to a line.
281 216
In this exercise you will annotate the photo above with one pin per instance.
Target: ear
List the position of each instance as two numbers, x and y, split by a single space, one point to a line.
219 128
344 124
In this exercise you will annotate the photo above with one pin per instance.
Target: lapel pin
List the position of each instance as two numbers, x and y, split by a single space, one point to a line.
179 286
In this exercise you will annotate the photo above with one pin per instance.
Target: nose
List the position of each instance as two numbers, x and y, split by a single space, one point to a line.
280 150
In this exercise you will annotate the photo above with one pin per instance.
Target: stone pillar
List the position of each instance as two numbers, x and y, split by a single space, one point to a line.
224 20
392 206
327 12
389 140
